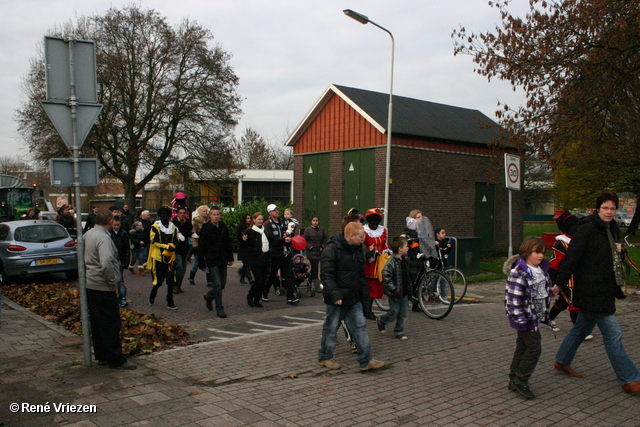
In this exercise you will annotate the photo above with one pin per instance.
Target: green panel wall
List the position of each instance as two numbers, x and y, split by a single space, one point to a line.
359 170
315 189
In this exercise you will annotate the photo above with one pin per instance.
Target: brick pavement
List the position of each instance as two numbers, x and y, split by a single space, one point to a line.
450 372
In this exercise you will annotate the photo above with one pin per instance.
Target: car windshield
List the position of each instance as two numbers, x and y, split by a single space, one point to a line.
40 234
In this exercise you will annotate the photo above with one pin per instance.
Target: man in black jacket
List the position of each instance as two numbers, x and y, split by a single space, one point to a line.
182 250
345 290
276 230
591 259
215 253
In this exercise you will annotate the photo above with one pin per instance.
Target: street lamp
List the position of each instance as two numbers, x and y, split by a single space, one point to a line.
365 20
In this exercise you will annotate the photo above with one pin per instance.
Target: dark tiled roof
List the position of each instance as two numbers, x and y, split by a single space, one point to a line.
425 119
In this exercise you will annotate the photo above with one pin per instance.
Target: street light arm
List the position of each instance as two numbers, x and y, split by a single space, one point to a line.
365 20
357 16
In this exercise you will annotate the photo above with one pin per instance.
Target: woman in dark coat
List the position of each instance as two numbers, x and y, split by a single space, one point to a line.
241 235
316 239
259 259
67 220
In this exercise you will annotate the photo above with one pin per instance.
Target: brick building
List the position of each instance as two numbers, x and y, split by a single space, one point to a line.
444 161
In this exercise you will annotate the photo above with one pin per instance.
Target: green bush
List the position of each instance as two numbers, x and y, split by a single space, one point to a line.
232 215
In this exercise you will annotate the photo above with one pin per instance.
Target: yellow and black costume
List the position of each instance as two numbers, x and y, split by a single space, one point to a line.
164 238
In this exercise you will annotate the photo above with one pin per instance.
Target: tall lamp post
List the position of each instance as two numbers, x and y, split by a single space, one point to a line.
387 177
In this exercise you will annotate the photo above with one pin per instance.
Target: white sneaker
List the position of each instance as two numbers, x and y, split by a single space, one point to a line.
553 326
588 337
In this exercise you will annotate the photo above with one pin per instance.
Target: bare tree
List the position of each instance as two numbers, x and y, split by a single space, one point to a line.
254 152
169 98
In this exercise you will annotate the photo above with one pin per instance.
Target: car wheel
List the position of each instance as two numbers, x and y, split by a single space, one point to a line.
71 274
4 279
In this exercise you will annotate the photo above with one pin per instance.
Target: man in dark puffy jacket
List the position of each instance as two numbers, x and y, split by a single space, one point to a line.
592 259
345 290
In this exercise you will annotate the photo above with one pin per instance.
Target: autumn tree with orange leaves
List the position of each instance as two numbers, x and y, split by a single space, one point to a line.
578 62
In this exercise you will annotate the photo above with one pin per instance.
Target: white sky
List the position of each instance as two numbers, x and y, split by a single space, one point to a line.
287 52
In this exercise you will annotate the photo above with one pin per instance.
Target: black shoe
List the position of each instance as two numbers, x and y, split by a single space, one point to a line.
416 308
127 366
102 363
293 301
192 282
522 389
250 301
257 304
370 316
208 303
151 301
172 307
221 314
177 290
381 326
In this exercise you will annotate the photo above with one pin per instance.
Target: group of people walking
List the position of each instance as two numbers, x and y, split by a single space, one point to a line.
586 271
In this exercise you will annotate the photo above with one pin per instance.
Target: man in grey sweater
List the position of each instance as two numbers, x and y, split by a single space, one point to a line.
103 277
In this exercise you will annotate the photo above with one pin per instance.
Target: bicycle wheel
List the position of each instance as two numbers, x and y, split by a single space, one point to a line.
436 295
383 303
627 268
459 283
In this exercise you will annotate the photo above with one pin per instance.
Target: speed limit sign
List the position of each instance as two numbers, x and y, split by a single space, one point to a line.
512 171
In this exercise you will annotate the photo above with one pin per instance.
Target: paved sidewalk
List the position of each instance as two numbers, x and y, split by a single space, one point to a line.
451 372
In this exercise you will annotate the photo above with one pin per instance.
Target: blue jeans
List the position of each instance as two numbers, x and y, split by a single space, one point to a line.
398 308
217 276
357 326
122 289
140 255
624 368
180 267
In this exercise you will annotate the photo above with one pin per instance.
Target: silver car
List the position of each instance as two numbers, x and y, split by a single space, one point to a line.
623 219
31 247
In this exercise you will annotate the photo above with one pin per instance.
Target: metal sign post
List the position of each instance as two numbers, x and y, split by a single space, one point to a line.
512 182
72 107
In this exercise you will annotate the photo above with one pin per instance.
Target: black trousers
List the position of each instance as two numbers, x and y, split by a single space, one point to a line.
162 271
260 275
104 314
525 358
285 266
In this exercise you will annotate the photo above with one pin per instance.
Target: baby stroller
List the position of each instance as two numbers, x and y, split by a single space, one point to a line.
301 281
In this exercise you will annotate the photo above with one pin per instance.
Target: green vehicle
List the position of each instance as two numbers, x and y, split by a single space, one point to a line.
15 198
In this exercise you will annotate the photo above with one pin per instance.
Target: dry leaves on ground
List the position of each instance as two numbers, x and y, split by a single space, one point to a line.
60 303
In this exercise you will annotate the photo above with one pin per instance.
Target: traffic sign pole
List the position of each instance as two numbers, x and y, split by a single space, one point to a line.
82 274
512 179
72 106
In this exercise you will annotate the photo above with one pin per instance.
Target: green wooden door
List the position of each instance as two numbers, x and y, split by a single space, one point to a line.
484 203
315 193
359 170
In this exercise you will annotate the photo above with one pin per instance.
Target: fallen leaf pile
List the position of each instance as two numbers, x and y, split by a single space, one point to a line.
60 303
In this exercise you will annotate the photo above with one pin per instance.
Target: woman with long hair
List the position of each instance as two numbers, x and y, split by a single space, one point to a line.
259 258
241 234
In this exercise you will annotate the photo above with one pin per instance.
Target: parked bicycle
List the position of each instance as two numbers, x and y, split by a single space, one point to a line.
434 292
456 276
633 277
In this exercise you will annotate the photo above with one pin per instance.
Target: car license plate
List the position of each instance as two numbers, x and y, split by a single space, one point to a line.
49 261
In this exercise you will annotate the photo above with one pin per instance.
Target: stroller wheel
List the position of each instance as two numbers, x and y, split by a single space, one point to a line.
296 293
280 291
